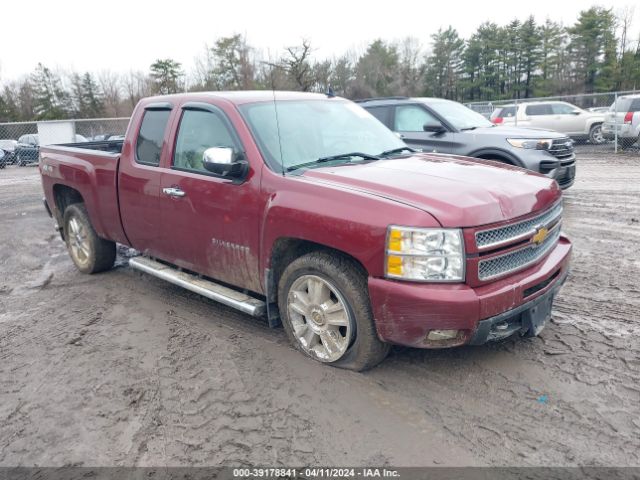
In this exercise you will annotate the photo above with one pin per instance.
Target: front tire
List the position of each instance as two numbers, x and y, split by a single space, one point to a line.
89 252
325 310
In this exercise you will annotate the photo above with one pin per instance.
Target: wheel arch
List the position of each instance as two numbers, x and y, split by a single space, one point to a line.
284 251
496 154
63 197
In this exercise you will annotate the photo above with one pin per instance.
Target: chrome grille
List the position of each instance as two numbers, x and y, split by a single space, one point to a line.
497 236
562 148
511 262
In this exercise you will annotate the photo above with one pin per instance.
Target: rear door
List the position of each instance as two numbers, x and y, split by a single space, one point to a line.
408 122
540 116
209 224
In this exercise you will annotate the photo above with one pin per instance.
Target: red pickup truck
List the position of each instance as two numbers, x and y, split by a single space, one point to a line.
305 209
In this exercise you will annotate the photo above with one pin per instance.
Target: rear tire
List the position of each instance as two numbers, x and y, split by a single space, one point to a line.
595 134
325 309
89 252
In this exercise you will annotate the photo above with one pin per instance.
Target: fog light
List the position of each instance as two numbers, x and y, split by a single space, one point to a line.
442 334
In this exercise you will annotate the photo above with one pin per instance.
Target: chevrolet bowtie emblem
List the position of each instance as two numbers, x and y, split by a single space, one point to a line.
540 235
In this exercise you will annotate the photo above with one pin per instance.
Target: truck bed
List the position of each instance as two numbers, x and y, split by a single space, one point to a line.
91 168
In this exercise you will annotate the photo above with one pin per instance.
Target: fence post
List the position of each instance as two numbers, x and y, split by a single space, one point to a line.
516 116
615 122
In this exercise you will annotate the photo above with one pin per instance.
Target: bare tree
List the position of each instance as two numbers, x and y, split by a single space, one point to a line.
111 88
297 65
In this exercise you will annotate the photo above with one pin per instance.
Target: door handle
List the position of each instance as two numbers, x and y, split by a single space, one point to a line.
173 192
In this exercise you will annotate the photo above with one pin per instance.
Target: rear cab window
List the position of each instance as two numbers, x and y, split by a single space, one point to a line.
151 136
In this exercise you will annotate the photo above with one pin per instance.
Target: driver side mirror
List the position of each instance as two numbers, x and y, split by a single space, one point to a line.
435 127
224 162
576 112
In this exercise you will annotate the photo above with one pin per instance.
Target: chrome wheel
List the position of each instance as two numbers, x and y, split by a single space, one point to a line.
597 136
321 321
78 241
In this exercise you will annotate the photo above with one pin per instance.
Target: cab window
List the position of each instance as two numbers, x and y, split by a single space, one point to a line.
562 109
411 118
535 110
381 113
151 136
198 131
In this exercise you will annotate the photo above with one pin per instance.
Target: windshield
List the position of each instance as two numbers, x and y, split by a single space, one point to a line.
314 129
458 115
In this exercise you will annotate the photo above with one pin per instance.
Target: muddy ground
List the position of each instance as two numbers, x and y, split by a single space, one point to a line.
124 369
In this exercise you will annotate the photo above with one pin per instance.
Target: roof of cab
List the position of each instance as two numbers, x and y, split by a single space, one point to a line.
239 97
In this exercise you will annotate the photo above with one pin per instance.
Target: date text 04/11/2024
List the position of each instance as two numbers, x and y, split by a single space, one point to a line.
315 473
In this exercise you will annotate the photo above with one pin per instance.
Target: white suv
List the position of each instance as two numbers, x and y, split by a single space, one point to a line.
623 116
562 117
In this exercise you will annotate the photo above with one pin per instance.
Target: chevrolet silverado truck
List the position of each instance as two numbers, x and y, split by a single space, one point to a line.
305 209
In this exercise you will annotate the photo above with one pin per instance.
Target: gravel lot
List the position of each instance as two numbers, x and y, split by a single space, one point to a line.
123 369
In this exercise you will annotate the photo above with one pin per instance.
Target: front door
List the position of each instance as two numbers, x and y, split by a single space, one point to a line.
408 123
209 224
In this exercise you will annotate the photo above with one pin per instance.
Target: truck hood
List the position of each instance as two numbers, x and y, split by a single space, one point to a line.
457 191
515 132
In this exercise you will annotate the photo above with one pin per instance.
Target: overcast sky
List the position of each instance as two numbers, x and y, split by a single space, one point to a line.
130 34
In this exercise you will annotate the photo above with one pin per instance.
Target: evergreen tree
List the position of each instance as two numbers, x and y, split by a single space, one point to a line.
530 39
376 70
444 65
593 48
234 68
167 75
51 101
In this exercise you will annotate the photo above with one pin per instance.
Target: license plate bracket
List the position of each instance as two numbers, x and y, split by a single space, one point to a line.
535 318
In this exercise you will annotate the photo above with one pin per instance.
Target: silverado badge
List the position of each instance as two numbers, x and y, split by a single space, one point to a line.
540 235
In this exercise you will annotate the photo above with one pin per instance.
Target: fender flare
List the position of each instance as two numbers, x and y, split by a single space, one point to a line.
498 153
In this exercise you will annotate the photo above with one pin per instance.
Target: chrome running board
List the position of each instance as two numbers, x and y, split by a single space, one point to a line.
206 288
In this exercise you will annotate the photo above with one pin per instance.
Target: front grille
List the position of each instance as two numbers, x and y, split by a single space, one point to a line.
562 148
517 260
486 239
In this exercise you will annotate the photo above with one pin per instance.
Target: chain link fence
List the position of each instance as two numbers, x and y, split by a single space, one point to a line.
20 141
597 122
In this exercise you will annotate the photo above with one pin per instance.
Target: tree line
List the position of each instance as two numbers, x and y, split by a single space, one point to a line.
522 59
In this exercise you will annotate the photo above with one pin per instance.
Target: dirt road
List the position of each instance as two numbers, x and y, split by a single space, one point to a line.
123 369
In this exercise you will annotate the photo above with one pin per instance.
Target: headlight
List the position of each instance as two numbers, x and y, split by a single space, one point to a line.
425 254
531 143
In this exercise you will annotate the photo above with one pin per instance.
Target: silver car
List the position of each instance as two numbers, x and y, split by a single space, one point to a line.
623 116
562 117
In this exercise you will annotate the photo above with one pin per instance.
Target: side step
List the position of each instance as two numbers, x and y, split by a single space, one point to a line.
206 288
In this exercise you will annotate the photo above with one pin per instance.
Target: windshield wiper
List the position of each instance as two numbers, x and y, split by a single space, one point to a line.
386 153
340 156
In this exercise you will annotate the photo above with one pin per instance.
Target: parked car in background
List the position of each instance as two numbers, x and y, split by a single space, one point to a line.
623 117
561 117
444 126
28 148
3 158
304 208
9 148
